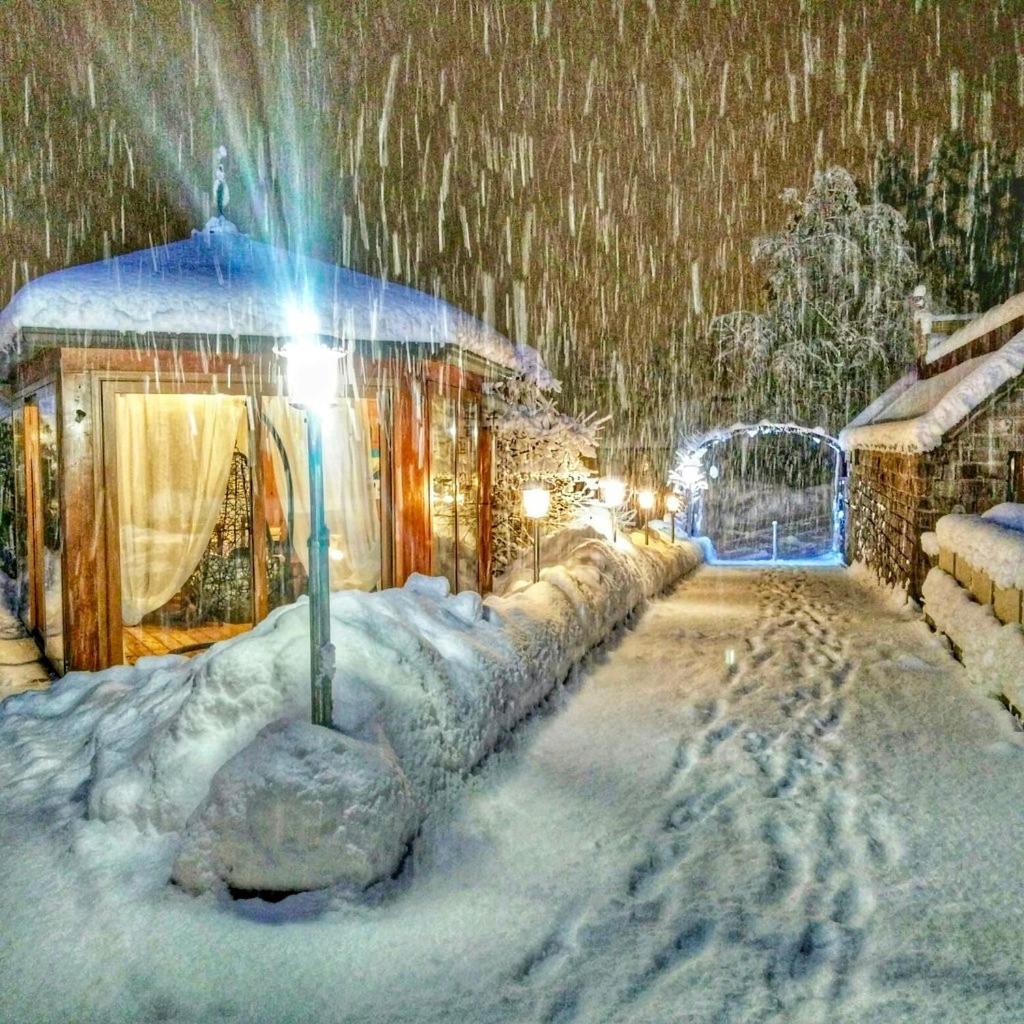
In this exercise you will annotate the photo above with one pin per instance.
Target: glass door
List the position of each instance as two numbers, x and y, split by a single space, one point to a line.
455 487
184 521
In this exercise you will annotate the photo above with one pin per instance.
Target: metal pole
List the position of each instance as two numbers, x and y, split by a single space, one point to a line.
536 550
321 650
673 527
647 531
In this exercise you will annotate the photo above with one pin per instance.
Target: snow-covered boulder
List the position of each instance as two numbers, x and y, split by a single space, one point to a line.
301 807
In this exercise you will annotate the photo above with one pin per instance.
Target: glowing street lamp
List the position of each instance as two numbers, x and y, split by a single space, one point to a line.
536 505
312 377
613 494
645 499
672 506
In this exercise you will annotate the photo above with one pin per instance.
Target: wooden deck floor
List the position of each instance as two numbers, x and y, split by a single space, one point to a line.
140 641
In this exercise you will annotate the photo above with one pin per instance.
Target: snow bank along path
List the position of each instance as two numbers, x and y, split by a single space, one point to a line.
776 799
427 683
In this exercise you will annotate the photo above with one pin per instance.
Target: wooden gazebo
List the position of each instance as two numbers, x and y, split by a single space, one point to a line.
160 468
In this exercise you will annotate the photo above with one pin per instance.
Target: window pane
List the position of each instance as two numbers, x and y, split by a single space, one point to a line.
443 431
184 496
351 440
468 494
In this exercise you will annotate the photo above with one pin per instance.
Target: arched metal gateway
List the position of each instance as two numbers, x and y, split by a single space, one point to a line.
690 477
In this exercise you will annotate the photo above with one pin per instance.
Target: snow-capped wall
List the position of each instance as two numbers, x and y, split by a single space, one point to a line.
992 653
426 684
223 283
992 542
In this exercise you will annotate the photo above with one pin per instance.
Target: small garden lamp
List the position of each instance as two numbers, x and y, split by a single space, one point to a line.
536 505
613 494
672 505
312 377
645 499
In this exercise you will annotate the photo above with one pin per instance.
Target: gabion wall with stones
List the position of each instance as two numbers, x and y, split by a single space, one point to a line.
895 497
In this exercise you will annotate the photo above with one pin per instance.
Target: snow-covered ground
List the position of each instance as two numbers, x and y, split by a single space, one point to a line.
775 798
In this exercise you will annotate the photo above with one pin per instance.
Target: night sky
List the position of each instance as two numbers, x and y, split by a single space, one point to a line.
588 175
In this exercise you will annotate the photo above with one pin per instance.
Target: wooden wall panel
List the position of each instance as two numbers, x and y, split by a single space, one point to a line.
83 548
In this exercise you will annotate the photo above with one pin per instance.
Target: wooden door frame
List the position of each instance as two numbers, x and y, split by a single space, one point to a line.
33 518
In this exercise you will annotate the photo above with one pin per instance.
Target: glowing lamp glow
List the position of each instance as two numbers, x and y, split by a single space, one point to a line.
536 502
645 499
312 367
613 491
690 474
672 503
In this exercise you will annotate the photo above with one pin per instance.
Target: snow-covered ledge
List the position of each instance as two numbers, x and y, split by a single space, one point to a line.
195 755
992 652
973 595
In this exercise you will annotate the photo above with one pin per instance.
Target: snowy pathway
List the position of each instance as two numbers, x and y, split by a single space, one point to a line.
774 799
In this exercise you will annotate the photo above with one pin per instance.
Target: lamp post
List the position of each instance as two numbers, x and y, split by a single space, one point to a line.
645 499
312 374
613 494
672 507
536 505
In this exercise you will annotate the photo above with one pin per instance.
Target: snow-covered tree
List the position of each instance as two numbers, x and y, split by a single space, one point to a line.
535 443
836 328
964 210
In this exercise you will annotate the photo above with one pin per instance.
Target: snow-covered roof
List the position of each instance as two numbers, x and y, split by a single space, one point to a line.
222 282
914 415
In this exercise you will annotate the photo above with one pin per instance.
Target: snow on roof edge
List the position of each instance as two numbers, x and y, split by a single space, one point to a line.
225 283
988 321
924 433
875 409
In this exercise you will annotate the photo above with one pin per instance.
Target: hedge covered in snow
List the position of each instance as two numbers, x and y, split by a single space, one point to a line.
196 752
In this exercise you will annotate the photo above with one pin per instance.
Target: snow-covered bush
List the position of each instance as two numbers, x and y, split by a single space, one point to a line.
178 752
535 443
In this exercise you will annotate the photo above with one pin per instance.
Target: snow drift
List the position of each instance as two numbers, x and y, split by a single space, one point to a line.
426 685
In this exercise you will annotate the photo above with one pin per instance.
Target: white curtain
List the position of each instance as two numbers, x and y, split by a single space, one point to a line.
350 502
173 461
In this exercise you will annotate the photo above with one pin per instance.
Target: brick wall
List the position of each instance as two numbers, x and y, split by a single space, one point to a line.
893 498
884 494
